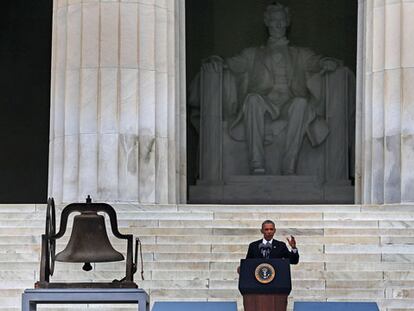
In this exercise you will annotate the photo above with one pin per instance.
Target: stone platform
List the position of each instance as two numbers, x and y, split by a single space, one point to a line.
267 189
348 252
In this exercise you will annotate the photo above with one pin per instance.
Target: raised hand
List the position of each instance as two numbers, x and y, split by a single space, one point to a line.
291 241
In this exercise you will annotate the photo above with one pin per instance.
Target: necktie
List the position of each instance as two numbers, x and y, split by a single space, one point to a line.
268 249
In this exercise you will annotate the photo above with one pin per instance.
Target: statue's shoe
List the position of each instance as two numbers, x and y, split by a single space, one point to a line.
258 171
288 172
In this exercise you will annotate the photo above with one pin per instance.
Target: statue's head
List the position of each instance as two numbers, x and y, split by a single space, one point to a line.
277 19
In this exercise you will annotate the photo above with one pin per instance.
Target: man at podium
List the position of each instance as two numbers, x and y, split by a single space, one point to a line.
265 280
270 248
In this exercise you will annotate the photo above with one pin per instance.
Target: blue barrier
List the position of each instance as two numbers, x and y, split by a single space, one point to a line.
335 306
194 306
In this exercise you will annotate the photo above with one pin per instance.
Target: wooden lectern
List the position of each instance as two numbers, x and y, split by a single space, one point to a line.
265 284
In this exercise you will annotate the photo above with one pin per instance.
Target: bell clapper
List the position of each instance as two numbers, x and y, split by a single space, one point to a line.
87 266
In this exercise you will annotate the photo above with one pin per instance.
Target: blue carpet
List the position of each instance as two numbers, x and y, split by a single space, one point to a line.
335 306
194 306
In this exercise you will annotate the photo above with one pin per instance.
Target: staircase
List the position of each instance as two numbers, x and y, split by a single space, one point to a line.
191 252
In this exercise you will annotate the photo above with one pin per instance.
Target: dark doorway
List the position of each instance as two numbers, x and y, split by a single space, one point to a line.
25 35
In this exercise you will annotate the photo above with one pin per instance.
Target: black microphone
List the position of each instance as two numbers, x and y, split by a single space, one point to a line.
265 249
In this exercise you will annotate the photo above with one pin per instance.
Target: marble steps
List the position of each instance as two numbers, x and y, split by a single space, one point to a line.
191 252
160 247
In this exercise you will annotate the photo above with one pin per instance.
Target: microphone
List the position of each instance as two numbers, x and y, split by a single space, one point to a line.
265 249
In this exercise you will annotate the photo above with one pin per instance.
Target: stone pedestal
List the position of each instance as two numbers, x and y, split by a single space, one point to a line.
117 129
268 189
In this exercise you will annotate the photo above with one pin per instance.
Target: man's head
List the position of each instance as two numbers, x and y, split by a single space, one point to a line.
268 229
277 20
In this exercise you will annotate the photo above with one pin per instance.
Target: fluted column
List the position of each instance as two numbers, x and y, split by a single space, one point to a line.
385 126
117 116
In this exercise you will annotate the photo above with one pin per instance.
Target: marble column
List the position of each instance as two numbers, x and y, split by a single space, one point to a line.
385 108
117 129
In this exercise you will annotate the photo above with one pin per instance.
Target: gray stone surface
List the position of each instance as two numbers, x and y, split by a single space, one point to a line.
269 189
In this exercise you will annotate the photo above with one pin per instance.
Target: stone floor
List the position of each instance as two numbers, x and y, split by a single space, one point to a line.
348 252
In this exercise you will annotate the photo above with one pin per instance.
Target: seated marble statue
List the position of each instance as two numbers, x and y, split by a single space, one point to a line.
269 89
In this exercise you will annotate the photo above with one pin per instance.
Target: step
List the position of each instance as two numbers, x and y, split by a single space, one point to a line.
191 252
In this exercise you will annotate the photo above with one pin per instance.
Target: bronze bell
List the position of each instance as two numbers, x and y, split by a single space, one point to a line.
89 242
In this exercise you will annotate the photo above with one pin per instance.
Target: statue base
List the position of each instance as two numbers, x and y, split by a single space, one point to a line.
268 189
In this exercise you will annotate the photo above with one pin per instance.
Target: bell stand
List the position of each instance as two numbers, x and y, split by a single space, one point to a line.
47 262
33 297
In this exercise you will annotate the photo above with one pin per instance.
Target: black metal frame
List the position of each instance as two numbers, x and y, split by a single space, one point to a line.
49 244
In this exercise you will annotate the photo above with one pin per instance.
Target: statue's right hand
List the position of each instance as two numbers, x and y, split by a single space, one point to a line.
213 64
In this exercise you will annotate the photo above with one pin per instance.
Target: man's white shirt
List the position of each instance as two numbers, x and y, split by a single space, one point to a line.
266 241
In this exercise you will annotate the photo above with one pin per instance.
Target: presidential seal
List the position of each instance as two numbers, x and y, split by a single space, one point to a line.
265 273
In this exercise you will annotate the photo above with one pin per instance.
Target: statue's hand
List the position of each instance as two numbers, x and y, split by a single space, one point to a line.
213 64
328 65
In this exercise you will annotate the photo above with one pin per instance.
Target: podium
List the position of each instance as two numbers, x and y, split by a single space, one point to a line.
265 284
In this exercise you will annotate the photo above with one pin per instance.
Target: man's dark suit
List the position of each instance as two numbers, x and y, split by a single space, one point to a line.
279 250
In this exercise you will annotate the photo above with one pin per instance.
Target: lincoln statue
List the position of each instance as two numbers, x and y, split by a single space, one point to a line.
273 94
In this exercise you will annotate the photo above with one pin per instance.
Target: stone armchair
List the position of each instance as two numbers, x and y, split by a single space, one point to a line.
214 97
